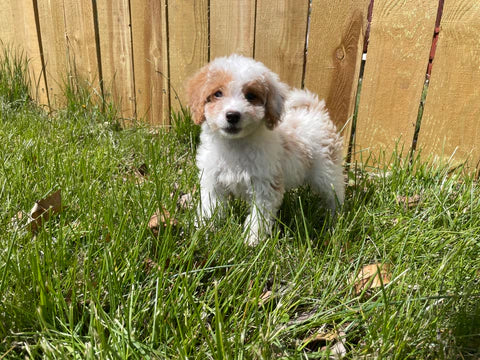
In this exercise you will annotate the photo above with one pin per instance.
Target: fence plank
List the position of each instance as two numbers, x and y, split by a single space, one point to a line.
188 43
116 54
280 37
451 120
400 41
7 31
335 46
19 30
81 42
232 27
52 27
150 60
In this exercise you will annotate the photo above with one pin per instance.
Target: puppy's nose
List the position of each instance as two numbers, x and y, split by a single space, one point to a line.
233 117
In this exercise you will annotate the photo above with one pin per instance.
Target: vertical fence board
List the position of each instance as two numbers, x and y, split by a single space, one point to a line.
7 30
150 60
81 43
188 43
280 37
232 27
400 41
20 31
335 46
52 27
116 54
451 120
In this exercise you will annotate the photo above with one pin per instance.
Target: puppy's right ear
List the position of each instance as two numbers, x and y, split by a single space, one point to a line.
196 95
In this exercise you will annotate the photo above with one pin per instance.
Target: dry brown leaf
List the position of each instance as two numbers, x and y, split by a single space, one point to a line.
161 218
266 296
332 340
43 209
337 350
408 202
372 276
16 220
185 201
320 335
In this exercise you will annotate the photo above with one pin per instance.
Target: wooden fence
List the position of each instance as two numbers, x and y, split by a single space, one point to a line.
140 52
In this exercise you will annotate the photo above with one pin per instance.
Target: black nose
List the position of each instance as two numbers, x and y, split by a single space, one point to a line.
233 117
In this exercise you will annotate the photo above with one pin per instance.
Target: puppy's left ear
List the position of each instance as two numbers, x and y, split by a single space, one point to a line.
196 95
276 95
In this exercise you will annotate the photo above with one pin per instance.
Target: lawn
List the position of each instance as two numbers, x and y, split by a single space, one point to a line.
99 278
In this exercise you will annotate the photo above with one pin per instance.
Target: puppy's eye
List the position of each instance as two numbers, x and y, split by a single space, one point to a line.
250 96
218 94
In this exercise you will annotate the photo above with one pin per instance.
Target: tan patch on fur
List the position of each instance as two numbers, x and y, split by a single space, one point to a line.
306 105
335 150
202 86
277 184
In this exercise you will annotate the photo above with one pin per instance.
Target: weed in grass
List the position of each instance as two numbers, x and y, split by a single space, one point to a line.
14 81
96 282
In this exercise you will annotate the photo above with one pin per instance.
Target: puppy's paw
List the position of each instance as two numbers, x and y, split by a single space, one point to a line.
252 238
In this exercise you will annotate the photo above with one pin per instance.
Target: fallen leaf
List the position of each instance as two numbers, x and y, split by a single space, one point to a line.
185 201
161 218
43 209
332 341
16 220
321 336
372 276
408 202
266 296
337 350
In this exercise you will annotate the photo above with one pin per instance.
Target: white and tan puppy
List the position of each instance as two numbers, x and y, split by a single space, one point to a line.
259 139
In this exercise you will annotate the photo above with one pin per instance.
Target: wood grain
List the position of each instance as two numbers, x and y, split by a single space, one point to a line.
81 42
400 41
335 44
188 44
451 120
20 31
52 27
116 54
232 27
7 14
150 60
280 37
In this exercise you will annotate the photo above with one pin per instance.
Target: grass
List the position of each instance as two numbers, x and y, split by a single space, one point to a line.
97 283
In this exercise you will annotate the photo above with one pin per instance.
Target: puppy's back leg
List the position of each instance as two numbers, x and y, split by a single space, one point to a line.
327 180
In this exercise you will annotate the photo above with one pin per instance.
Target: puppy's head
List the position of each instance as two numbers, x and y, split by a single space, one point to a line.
235 96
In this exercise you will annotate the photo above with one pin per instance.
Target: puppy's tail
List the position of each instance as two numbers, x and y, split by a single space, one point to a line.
305 100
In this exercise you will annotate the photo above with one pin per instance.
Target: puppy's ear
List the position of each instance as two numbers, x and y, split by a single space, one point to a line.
196 95
276 95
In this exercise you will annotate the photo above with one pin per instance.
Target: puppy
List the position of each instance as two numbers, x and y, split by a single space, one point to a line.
259 139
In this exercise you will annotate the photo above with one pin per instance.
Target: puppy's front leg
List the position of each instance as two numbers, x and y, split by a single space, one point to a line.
211 197
265 205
